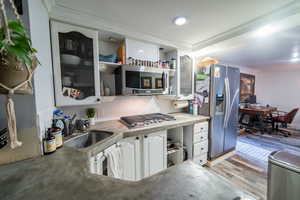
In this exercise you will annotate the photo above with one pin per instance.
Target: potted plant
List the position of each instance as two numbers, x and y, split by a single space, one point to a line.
90 113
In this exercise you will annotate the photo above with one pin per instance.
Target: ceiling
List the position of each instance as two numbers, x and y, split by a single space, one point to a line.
280 49
206 18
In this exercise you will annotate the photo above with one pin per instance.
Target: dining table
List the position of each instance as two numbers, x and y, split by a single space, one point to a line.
258 117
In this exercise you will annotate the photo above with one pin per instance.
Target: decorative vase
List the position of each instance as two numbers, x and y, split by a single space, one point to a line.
92 121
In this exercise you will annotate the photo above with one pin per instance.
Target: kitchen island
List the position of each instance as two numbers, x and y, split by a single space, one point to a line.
64 175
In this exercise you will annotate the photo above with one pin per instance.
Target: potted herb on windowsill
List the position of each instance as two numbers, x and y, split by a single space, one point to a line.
17 64
90 113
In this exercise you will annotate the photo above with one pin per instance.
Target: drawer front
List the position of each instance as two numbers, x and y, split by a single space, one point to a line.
199 127
200 148
201 160
204 135
197 138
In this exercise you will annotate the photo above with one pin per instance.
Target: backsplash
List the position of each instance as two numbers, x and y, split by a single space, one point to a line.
124 106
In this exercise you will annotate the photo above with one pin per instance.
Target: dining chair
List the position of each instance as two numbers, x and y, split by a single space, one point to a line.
283 118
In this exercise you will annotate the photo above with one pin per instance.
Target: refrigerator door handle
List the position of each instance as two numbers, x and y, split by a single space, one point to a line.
231 105
227 102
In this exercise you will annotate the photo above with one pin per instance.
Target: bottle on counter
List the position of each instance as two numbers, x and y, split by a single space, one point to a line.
173 63
49 143
57 134
190 109
195 108
130 61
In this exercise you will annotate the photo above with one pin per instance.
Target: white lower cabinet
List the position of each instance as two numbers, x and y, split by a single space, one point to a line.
139 156
154 153
131 158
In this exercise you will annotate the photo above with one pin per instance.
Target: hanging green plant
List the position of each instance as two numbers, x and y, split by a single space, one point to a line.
17 46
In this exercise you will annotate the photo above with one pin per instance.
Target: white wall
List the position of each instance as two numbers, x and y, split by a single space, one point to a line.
124 106
43 80
280 88
108 48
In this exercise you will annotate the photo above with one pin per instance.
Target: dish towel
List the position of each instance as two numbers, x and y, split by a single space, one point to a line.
114 164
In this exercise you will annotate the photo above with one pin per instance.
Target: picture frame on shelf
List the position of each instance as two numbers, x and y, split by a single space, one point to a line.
146 82
158 83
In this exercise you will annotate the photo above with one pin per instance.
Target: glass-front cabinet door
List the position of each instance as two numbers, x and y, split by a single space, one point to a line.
76 66
186 77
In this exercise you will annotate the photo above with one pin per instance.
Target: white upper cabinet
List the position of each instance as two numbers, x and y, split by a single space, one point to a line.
155 152
185 75
141 50
75 63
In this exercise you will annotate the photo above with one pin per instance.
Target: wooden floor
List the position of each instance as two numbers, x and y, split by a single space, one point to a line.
247 169
246 174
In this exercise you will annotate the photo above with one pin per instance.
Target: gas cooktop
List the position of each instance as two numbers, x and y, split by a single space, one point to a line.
145 120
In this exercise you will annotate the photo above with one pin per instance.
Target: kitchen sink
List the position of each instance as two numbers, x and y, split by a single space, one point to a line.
87 139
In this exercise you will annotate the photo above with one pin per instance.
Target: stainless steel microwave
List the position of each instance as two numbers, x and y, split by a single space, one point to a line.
140 80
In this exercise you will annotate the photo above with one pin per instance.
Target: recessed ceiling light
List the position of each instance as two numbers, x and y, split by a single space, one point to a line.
266 30
179 21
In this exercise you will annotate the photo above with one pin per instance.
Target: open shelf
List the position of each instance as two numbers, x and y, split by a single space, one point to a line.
175 146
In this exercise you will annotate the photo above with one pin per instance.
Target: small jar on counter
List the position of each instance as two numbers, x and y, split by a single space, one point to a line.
49 143
57 133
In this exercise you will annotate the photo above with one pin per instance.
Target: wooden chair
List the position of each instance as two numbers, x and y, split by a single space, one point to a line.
283 118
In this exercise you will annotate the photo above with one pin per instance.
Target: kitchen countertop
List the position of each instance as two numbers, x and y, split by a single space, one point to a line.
64 175
182 119
121 131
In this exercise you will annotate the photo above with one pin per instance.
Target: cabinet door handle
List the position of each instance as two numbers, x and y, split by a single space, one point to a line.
137 138
98 99
202 148
145 136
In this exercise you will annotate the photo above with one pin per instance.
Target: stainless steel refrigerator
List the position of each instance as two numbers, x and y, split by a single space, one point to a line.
217 93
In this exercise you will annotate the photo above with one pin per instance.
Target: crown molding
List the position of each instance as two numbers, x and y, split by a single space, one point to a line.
81 18
49 4
280 13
